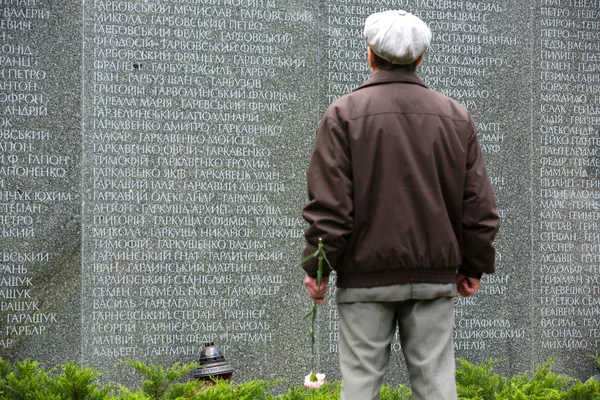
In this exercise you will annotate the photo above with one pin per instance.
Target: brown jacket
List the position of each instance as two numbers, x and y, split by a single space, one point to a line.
398 187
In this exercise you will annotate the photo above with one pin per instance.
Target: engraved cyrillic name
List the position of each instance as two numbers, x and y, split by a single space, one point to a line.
568 176
184 109
32 156
22 312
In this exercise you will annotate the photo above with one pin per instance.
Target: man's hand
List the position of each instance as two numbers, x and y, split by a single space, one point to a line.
317 294
466 286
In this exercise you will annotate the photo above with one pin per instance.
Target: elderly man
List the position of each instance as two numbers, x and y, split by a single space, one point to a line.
400 195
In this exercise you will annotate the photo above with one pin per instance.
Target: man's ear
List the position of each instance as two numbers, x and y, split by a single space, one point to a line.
371 58
419 60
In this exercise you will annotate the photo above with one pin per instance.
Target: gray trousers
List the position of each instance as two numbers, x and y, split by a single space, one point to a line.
425 326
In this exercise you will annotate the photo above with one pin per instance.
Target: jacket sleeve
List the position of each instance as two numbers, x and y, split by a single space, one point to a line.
480 221
329 211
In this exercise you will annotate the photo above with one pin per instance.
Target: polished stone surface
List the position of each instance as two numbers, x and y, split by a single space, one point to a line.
153 168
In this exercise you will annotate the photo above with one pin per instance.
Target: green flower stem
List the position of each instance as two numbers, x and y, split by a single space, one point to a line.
313 359
320 254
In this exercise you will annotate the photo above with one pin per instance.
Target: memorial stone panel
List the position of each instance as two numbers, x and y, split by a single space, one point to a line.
40 250
169 214
476 49
478 52
566 150
199 119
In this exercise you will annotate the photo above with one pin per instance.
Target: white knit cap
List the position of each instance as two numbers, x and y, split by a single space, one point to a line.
397 36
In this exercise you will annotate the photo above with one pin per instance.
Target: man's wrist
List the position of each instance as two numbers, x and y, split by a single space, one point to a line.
471 274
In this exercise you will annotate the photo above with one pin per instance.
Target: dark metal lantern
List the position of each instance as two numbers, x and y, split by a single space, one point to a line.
213 363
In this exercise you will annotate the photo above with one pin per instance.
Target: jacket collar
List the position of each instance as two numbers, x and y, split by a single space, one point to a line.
389 76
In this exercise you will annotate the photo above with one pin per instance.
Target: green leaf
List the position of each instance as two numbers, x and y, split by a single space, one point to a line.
326 260
310 312
310 257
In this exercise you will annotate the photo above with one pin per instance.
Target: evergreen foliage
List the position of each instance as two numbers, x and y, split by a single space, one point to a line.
477 382
27 380
77 383
326 392
161 383
597 359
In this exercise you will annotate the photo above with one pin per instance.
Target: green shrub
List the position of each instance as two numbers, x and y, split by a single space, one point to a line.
402 392
477 382
223 390
77 383
161 383
542 385
27 380
329 391
597 359
589 390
